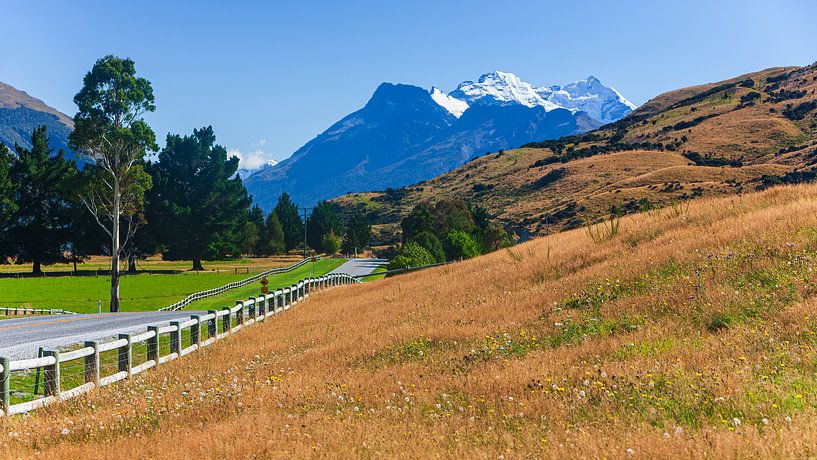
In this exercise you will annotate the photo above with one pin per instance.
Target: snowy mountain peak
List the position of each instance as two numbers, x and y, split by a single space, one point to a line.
600 102
500 88
455 106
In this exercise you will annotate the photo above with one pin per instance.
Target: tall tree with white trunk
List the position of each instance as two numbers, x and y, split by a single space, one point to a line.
110 131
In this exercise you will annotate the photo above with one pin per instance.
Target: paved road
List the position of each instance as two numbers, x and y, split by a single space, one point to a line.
357 267
20 338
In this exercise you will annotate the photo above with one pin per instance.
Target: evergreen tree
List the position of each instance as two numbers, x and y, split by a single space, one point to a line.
320 223
201 203
256 216
291 222
7 205
357 235
273 238
41 228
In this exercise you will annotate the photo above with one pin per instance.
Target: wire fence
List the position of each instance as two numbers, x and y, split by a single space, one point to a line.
17 311
60 374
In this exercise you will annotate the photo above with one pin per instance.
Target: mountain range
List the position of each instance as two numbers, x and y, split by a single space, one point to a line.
406 134
723 138
20 113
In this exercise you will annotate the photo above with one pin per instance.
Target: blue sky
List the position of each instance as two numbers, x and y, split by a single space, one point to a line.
270 75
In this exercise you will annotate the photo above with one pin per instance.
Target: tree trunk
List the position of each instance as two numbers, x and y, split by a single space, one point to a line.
197 266
115 248
37 270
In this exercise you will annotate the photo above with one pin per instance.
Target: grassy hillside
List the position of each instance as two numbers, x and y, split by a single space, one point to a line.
691 333
723 138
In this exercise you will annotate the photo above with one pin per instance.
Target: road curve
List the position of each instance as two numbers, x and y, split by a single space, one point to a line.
20 338
358 267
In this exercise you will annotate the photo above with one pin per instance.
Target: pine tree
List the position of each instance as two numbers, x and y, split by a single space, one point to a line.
291 222
320 223
256 216
357 235
273 238
41 228
201 203
7 205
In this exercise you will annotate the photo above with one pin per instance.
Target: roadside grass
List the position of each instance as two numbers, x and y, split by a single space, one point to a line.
381 269
698 342
311 269
143 292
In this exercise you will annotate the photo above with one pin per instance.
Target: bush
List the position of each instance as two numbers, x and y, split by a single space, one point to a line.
432 244
460 245
412 255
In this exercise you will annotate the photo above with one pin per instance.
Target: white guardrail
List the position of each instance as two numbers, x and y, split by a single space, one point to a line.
228 287
216 325
16 311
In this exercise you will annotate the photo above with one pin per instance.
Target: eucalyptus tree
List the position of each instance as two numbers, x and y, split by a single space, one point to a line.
110 130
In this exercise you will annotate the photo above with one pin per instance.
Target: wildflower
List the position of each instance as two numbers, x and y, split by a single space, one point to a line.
736 422
65 431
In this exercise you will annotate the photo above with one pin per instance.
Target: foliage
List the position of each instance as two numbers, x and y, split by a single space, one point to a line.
357 233
330 243
40 229
7 204
256 216
321 222
709 160
271 240
200 201
290 220
460 245
110 131
411 255
432 244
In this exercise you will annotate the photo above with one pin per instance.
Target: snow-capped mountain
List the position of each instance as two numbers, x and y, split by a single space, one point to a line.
405 134
504 88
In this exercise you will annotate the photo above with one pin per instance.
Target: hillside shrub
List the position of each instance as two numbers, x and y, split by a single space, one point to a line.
549 178
460 245
432 244
412 255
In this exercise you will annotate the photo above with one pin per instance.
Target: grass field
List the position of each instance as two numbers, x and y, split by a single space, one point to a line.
689 334
137 292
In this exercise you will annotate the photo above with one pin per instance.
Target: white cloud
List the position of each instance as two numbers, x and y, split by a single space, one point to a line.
251 161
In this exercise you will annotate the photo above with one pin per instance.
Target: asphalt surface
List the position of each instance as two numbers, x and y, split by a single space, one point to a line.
20 338
358 267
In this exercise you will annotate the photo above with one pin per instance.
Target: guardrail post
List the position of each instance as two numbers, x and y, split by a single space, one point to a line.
252 308
153 345
126 355
5 386
227 322
51 374
176 338
212 331
239 315
195 332
92 363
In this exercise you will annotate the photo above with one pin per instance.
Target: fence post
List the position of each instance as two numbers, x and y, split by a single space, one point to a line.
92 363
51 374
239 315
227 322
126 355
176 339
261 306
212 331
252 308
153 345
5 385
195 332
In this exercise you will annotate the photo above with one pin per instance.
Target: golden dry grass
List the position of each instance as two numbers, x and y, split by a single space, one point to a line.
691 334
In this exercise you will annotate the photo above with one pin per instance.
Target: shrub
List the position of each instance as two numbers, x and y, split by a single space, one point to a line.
460 245
549 178
412 255
432 244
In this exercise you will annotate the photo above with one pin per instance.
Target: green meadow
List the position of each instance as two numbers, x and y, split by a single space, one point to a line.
142 292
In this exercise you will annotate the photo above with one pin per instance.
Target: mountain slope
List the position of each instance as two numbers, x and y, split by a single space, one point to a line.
20 114
406 134
722 138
